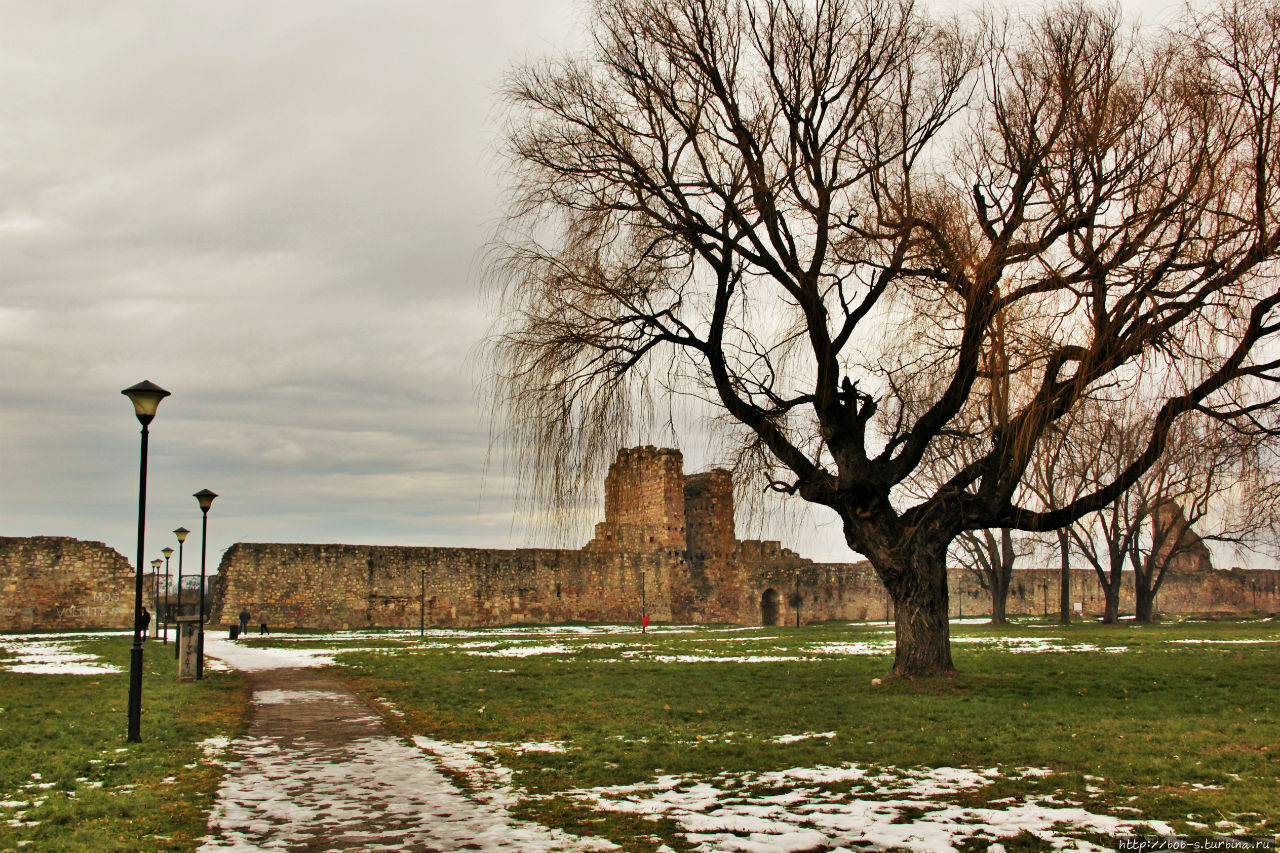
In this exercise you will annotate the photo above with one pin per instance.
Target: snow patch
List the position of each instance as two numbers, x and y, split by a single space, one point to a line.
376 791
39 654
805 736
886 808
288 697
526 651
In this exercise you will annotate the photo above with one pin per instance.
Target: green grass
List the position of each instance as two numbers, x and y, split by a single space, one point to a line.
1177 731
1138 728
63 754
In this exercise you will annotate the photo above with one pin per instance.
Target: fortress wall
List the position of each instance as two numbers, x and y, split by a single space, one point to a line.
737 585
63 583
663 532
359 586
1035 592
56 582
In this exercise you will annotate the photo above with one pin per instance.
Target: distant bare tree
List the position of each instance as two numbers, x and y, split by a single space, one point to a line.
1108 537
750 202
1209 485
1058 475
1207 478
990 556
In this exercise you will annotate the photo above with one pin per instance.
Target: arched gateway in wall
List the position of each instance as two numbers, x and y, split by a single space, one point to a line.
769 607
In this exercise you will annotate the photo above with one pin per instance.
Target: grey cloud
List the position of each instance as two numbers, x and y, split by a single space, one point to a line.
272 209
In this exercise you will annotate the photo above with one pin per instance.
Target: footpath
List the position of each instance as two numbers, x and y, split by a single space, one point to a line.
319 770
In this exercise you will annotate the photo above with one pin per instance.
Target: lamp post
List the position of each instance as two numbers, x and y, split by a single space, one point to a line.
155 597
797 601
181 533
146 397
644 621
168 552
422 603
205 499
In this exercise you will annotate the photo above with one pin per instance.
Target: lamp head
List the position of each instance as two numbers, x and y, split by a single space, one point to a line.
205 498
181 533
155 564
146 397
167 552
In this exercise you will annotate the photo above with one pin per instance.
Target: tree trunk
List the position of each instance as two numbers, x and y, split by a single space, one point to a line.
1064 585
1111 583
920 598
1111 609
999 599
1144 603
1148 574
1002 578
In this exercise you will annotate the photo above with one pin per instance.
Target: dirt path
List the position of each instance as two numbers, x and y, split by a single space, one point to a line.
318 770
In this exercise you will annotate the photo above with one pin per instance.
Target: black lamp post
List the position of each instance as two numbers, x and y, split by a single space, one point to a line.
168 552
205 498
797 601
146 397
181 533
644 613
155 597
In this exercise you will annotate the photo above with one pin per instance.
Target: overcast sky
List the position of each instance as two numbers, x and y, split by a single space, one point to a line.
274 210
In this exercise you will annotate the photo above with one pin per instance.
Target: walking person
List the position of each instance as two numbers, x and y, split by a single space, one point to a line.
262 622
244 621
146 622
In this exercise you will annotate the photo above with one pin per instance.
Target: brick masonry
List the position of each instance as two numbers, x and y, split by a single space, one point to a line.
667 546
664 531
59 582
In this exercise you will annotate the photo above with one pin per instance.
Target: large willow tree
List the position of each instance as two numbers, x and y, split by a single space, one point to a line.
817 214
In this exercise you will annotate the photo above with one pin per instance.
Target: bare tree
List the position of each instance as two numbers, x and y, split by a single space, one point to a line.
990 556
1209 485
1109 537
748 201
1058 475
1207 477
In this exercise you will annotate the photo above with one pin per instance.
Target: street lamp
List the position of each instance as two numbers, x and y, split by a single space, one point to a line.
205 498
168 552
644 613
146 397
155 597
181 533
797 599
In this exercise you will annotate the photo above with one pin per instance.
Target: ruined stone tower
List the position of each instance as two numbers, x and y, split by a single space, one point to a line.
1170 528
644 503
708 515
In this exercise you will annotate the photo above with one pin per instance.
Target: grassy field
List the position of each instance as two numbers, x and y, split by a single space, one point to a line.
1174 723
68 779
720 738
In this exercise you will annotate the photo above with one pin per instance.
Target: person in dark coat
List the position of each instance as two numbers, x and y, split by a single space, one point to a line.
244 621
146 622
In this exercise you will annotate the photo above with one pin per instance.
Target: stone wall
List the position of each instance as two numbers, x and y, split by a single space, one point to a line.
359 586
670 534
1209 592
667 545
56 582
